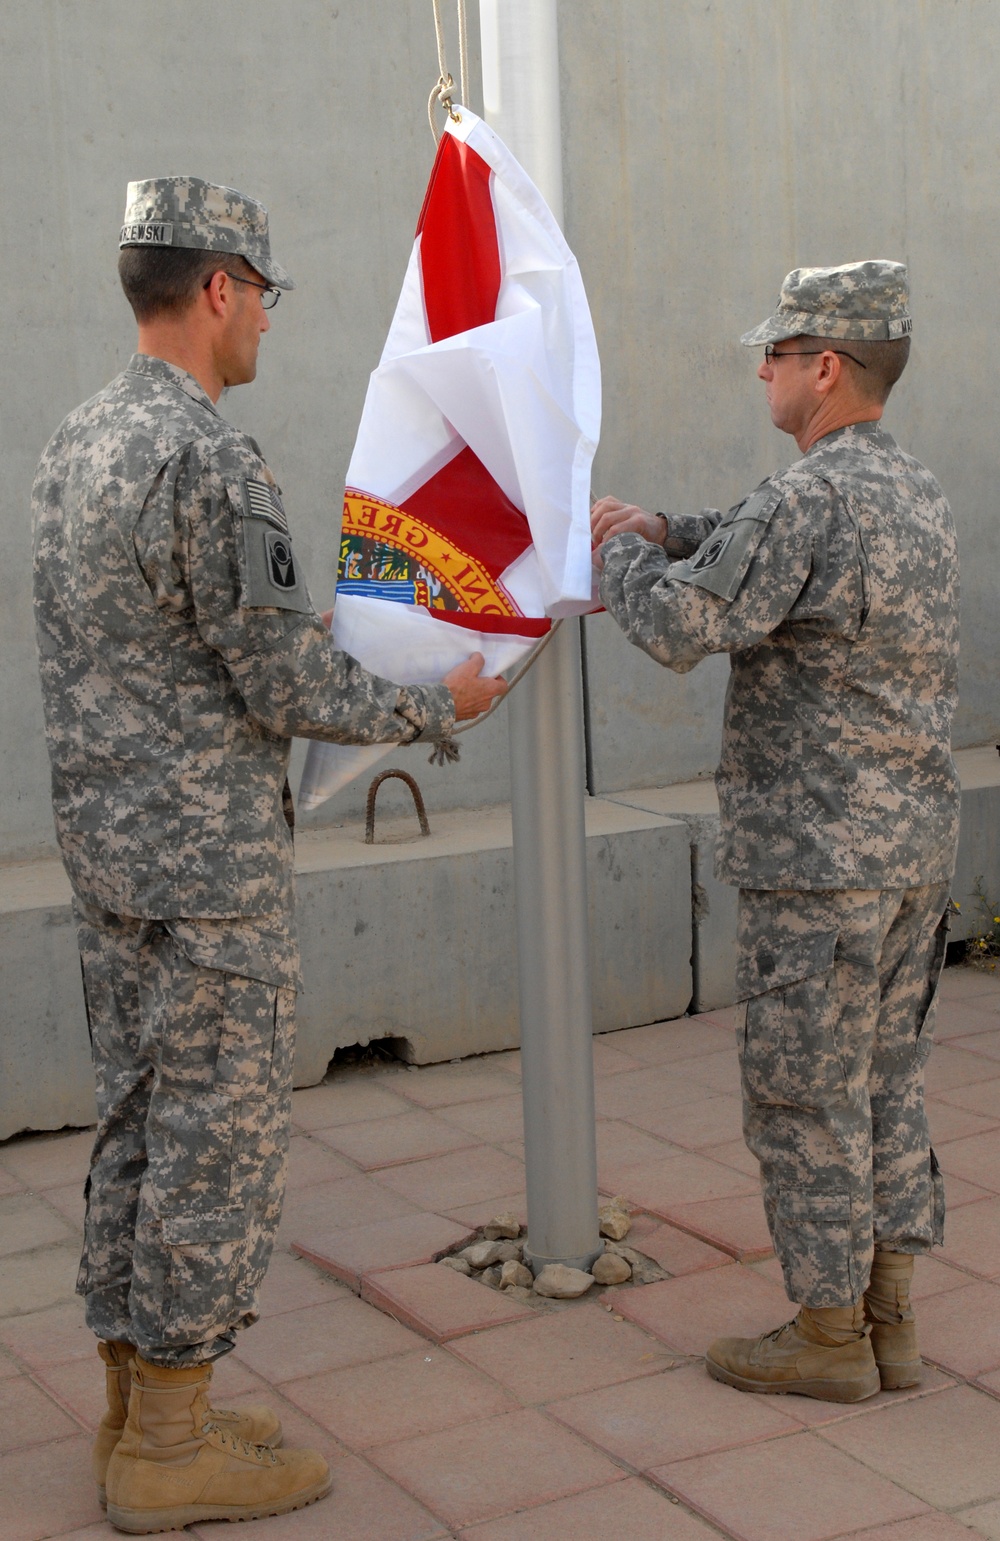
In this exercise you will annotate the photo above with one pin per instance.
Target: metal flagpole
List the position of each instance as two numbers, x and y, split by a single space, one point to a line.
520 60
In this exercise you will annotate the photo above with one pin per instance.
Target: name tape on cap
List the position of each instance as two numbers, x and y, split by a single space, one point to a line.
148 233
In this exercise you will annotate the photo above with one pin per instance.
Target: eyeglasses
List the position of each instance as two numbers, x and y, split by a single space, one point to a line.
269 295
770 357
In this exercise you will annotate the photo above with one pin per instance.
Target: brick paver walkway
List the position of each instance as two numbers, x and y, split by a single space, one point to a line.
449 1411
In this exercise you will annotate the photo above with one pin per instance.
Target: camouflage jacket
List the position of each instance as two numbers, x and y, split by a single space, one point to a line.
834 586
179 654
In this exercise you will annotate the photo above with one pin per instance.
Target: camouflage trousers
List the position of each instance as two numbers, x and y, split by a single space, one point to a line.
192 1029
839 991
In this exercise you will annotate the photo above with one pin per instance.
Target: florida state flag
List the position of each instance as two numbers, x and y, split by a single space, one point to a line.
466 522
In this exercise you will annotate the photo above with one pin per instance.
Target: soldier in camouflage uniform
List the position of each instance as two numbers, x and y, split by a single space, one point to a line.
180 652
834 588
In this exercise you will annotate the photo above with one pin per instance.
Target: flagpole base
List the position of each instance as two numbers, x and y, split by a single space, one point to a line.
536 1263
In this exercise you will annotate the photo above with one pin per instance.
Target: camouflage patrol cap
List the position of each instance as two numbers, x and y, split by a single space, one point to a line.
865 300
187 211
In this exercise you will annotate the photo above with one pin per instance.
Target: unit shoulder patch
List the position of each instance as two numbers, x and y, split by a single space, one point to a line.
722 561
269 573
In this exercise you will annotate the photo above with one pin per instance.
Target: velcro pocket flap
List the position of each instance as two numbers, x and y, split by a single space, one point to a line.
776 967
238 947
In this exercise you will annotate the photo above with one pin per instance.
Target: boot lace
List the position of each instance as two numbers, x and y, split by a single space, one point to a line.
238 1445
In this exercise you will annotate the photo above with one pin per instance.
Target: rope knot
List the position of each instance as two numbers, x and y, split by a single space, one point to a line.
445 752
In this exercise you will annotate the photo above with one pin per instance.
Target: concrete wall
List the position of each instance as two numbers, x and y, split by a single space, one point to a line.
708 148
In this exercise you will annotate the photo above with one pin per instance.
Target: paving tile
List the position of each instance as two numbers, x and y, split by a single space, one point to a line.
924 1527
621 1146
364 1506
672 1416
985 1519
350 1254
688 1313
734 1225
30 1281
69 1201
949 1122
344 1102
79 1387
728 1017
311 1162
793 1489
676 1251
494 1121
291 1282
320 1338
439 1303
340 1205
962 1019
611 1058
958 1192
9 1369
559 1354
9 1183
972 1237
438 1086
88 1533
976 1159
942 1448
49 1160
660 1186
949 1068
932 1276
493 1466
382 1142
629 1508
463 1177
981 1042
399 1398
960 982
50 1336
26 1221
705 1120
716 1072
661 1043
639 1092
29 1417
48 1490
474 1216
960 1330
734 1153
991 1381
981 1097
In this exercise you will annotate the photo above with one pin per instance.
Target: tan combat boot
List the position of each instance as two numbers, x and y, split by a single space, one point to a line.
893 1325
257 1424
175 1466
823 1353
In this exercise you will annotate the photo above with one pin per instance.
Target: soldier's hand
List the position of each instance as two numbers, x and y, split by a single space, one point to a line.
610 516
472 690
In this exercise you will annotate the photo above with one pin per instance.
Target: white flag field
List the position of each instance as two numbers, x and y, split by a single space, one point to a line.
466 524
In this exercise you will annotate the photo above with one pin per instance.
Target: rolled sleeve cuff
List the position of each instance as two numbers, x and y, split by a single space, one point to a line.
430 711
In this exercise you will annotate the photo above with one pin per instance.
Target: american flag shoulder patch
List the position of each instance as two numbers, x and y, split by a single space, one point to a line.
262 501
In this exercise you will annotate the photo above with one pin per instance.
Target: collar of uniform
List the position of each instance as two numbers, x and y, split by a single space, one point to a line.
171 374
872 429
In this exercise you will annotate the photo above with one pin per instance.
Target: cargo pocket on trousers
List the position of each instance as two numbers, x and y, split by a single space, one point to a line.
207 1261
812 1237
788 1053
